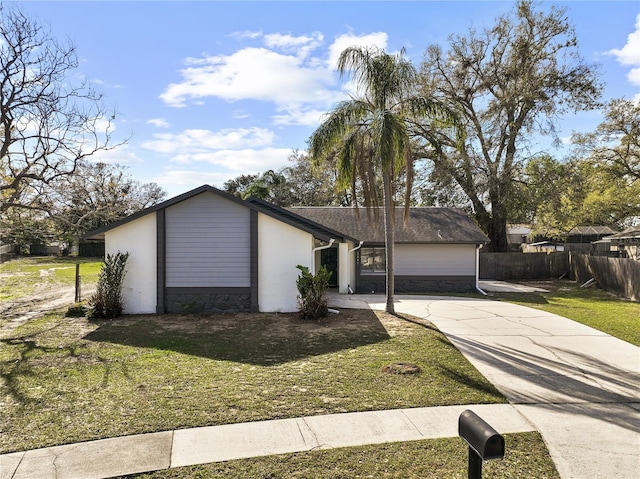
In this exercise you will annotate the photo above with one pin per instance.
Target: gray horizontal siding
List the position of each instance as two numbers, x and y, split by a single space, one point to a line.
208 243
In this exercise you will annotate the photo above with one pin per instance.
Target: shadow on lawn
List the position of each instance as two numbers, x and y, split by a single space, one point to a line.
527 298
260 339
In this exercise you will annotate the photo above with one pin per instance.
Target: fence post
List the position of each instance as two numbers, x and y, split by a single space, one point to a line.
77 298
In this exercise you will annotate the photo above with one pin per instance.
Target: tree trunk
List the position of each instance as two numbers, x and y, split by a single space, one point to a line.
74 247
389 240
497 229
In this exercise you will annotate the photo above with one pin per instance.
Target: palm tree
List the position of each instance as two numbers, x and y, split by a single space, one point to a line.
369 134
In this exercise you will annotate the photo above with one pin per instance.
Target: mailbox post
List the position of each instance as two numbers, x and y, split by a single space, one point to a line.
484 442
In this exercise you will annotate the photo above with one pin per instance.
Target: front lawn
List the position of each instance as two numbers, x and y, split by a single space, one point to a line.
590 306
66 380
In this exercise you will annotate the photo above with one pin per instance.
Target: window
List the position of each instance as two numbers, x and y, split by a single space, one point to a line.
372 260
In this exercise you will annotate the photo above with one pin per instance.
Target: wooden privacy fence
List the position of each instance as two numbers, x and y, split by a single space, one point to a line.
617 275
507 266
7 251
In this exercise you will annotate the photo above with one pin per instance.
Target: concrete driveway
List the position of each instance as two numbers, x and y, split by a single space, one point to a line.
578 386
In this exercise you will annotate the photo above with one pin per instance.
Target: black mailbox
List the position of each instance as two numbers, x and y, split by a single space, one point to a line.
480 436
483 440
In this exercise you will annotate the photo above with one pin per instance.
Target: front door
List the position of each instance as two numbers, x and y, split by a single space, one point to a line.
329 259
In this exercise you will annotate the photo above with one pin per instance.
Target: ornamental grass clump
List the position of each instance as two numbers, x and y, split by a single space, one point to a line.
107 300
312 291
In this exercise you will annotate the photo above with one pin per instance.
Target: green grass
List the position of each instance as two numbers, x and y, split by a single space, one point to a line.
27 275
590 306
67 380
525 457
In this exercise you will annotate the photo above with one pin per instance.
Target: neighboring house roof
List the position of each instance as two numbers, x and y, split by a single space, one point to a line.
591 230
518 229
425 225
287 217
629 233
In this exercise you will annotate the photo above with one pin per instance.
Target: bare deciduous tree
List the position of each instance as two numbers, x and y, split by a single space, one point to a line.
47 123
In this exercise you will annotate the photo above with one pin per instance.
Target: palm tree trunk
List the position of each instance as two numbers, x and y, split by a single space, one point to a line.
389 239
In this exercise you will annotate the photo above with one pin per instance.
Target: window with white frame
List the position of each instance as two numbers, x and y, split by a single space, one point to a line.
372 260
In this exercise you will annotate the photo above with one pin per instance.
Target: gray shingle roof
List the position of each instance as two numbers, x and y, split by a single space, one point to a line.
425 225
591 230
629 233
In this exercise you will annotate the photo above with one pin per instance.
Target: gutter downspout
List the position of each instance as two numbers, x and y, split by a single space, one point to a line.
349 290
478 246
313 254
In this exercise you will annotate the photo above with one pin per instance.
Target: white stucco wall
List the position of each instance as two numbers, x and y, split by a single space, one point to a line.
435 260
138 238
280 248
346 267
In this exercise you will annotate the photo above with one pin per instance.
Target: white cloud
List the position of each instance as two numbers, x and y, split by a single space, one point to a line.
250 73
224 164
197 140
237 152
246 34
176 182
630 54
302 45
308 117
159 122
283 72
238 162
240 114
122 155
342 42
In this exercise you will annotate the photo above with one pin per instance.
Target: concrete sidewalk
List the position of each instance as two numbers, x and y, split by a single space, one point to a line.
149 452
580 387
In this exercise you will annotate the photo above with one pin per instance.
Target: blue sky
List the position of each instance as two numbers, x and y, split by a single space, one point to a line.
210 90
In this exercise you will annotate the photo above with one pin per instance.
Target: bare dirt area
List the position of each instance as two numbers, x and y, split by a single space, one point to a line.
15 313
46 298
279 324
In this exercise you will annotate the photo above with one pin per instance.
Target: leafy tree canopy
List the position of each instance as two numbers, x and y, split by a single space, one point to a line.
369 138
297 185
508 82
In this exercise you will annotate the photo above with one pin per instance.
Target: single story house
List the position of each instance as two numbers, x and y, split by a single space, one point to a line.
625 244
206 250
588 234
517 235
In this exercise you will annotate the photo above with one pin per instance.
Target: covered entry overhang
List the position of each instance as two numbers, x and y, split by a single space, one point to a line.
339 257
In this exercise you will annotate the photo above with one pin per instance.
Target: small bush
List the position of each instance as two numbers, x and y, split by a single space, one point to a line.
107 301
78 310
312 291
